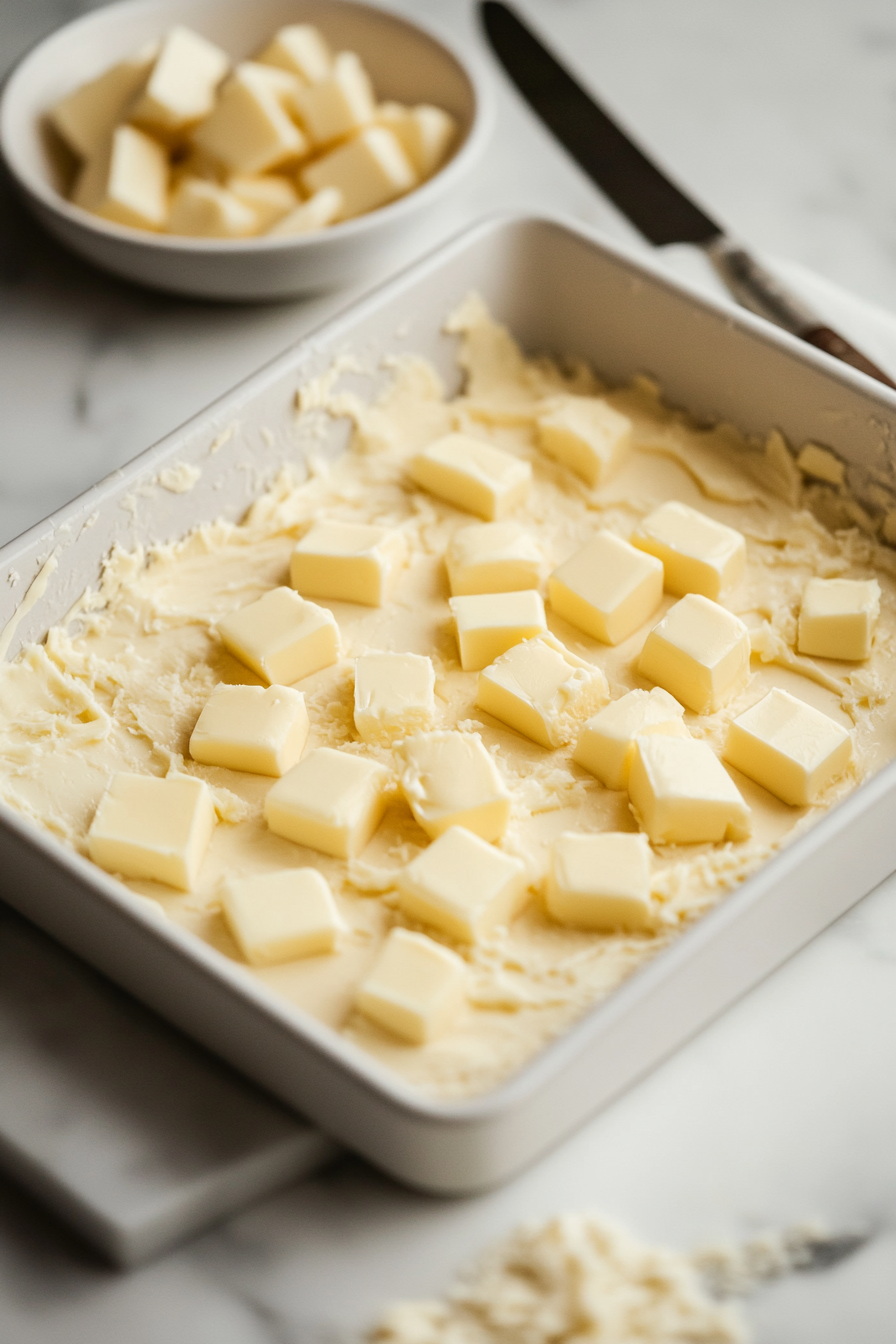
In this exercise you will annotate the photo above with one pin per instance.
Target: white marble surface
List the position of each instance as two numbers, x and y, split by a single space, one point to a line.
780 115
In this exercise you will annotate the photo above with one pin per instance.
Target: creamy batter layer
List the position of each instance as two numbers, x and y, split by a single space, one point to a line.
120 685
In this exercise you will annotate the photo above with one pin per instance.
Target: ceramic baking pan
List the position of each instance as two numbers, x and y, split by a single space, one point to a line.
559 289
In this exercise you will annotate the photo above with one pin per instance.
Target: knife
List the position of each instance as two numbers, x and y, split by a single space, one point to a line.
655 205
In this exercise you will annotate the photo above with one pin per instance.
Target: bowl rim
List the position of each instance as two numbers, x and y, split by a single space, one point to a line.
33 185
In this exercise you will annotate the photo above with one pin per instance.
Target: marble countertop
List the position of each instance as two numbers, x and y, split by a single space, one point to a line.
782 117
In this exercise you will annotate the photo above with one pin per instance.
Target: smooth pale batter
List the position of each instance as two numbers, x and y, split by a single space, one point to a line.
121 684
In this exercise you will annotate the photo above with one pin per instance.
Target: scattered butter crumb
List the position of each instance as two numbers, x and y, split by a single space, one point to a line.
180 478
224 437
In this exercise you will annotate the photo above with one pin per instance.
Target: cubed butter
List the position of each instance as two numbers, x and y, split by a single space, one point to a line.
332 801
463 886
202 209
127 181
608 589
542 690
323 208
87 117
821 463
278 917
249 129
369 170
181 88
473 475
251 728
301 49
339 103
600 881
699 555
489 624
394 696
348 562
699 652
838 618
585 434
606 744
449 779
281 637
269 198
146 827
493 558
682 794
789 747
415 989
426 133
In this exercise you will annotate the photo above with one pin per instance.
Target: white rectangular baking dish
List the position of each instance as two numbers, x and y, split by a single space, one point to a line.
559 289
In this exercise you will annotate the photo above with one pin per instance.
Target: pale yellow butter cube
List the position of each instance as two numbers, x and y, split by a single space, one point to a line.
368 171
542 690
600 881
348 562
249 129
682 794
821 463
463 886
488 624
251 728
789 747
202 209
699 555
586 435
415 988
87 117
838 618
426 133
394 695
493 558
322 209
181 88
270 198
608 588
449 779
699 652
127 182
331 801
473 475
282 916
281 637
301 49
147 827
606 744
340 103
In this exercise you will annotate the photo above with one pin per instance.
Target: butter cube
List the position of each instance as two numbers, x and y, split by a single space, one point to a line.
87 117
281 637
600 881
127 182
426 133
338 104
586 435
449 779
682 794
300 49
493 558
181 89
331 801
394 696
463 886
542 690
349 562
489 624
415 988
699 555
699 652
281 916
269 198
369 171
606 745
813 460
202 209
322 209
251 728
147 827
789 747
249 129
838 618
472 475
608 589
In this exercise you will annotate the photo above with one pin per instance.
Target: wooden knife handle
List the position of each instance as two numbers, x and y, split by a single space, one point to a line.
825 338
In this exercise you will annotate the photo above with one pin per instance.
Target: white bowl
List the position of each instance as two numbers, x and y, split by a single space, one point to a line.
407 63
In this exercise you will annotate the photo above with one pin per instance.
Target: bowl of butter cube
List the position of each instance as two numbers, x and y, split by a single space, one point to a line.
244 151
